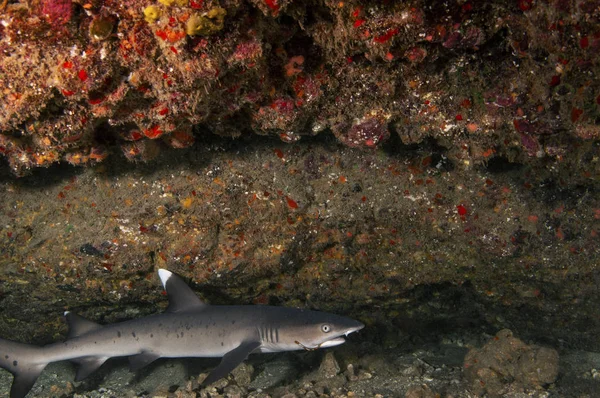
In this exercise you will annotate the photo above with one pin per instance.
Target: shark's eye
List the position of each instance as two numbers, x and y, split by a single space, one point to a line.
326 328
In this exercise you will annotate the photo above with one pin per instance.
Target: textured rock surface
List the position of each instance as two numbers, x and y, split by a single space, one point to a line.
498 79
506 364
311 224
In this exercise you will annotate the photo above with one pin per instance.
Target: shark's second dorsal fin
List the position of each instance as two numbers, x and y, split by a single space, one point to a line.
181 297
78 325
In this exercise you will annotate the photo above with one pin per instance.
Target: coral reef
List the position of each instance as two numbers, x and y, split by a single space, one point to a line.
494 80
430 167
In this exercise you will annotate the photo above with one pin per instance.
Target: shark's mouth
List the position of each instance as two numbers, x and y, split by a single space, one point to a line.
331 342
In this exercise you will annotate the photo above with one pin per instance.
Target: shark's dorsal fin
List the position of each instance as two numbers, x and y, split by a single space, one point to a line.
181 297
78 325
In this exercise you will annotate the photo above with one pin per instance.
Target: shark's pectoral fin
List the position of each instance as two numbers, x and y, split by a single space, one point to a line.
140 360
87 366
230 361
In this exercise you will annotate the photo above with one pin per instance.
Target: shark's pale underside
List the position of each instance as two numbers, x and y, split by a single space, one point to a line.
188 328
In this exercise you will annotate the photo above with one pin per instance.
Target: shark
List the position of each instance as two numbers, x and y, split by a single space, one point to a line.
188 328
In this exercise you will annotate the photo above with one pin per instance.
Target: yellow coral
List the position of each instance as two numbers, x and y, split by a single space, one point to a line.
207 23
151 13
168 3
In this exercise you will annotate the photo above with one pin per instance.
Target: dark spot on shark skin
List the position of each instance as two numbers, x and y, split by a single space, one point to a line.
221 344
233 322
151 335
15 363
118 333
6 356
133 334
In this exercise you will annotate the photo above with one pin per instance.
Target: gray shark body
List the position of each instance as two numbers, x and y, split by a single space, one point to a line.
189 328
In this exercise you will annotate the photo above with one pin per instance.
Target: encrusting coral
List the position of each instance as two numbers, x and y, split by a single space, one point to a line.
77 75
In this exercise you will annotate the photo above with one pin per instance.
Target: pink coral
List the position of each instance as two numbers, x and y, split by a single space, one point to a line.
57 11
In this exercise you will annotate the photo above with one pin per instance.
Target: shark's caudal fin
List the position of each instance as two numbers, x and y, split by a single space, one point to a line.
24 361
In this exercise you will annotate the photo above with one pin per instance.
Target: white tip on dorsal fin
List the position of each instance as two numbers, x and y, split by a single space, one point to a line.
164 276
181 296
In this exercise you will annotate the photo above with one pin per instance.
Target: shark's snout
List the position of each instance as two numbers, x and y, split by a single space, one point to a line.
340 338
355 328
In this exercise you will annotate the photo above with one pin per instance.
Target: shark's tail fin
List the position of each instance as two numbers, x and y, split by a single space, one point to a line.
23 361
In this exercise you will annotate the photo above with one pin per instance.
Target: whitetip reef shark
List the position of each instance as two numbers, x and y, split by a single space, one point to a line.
188 328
